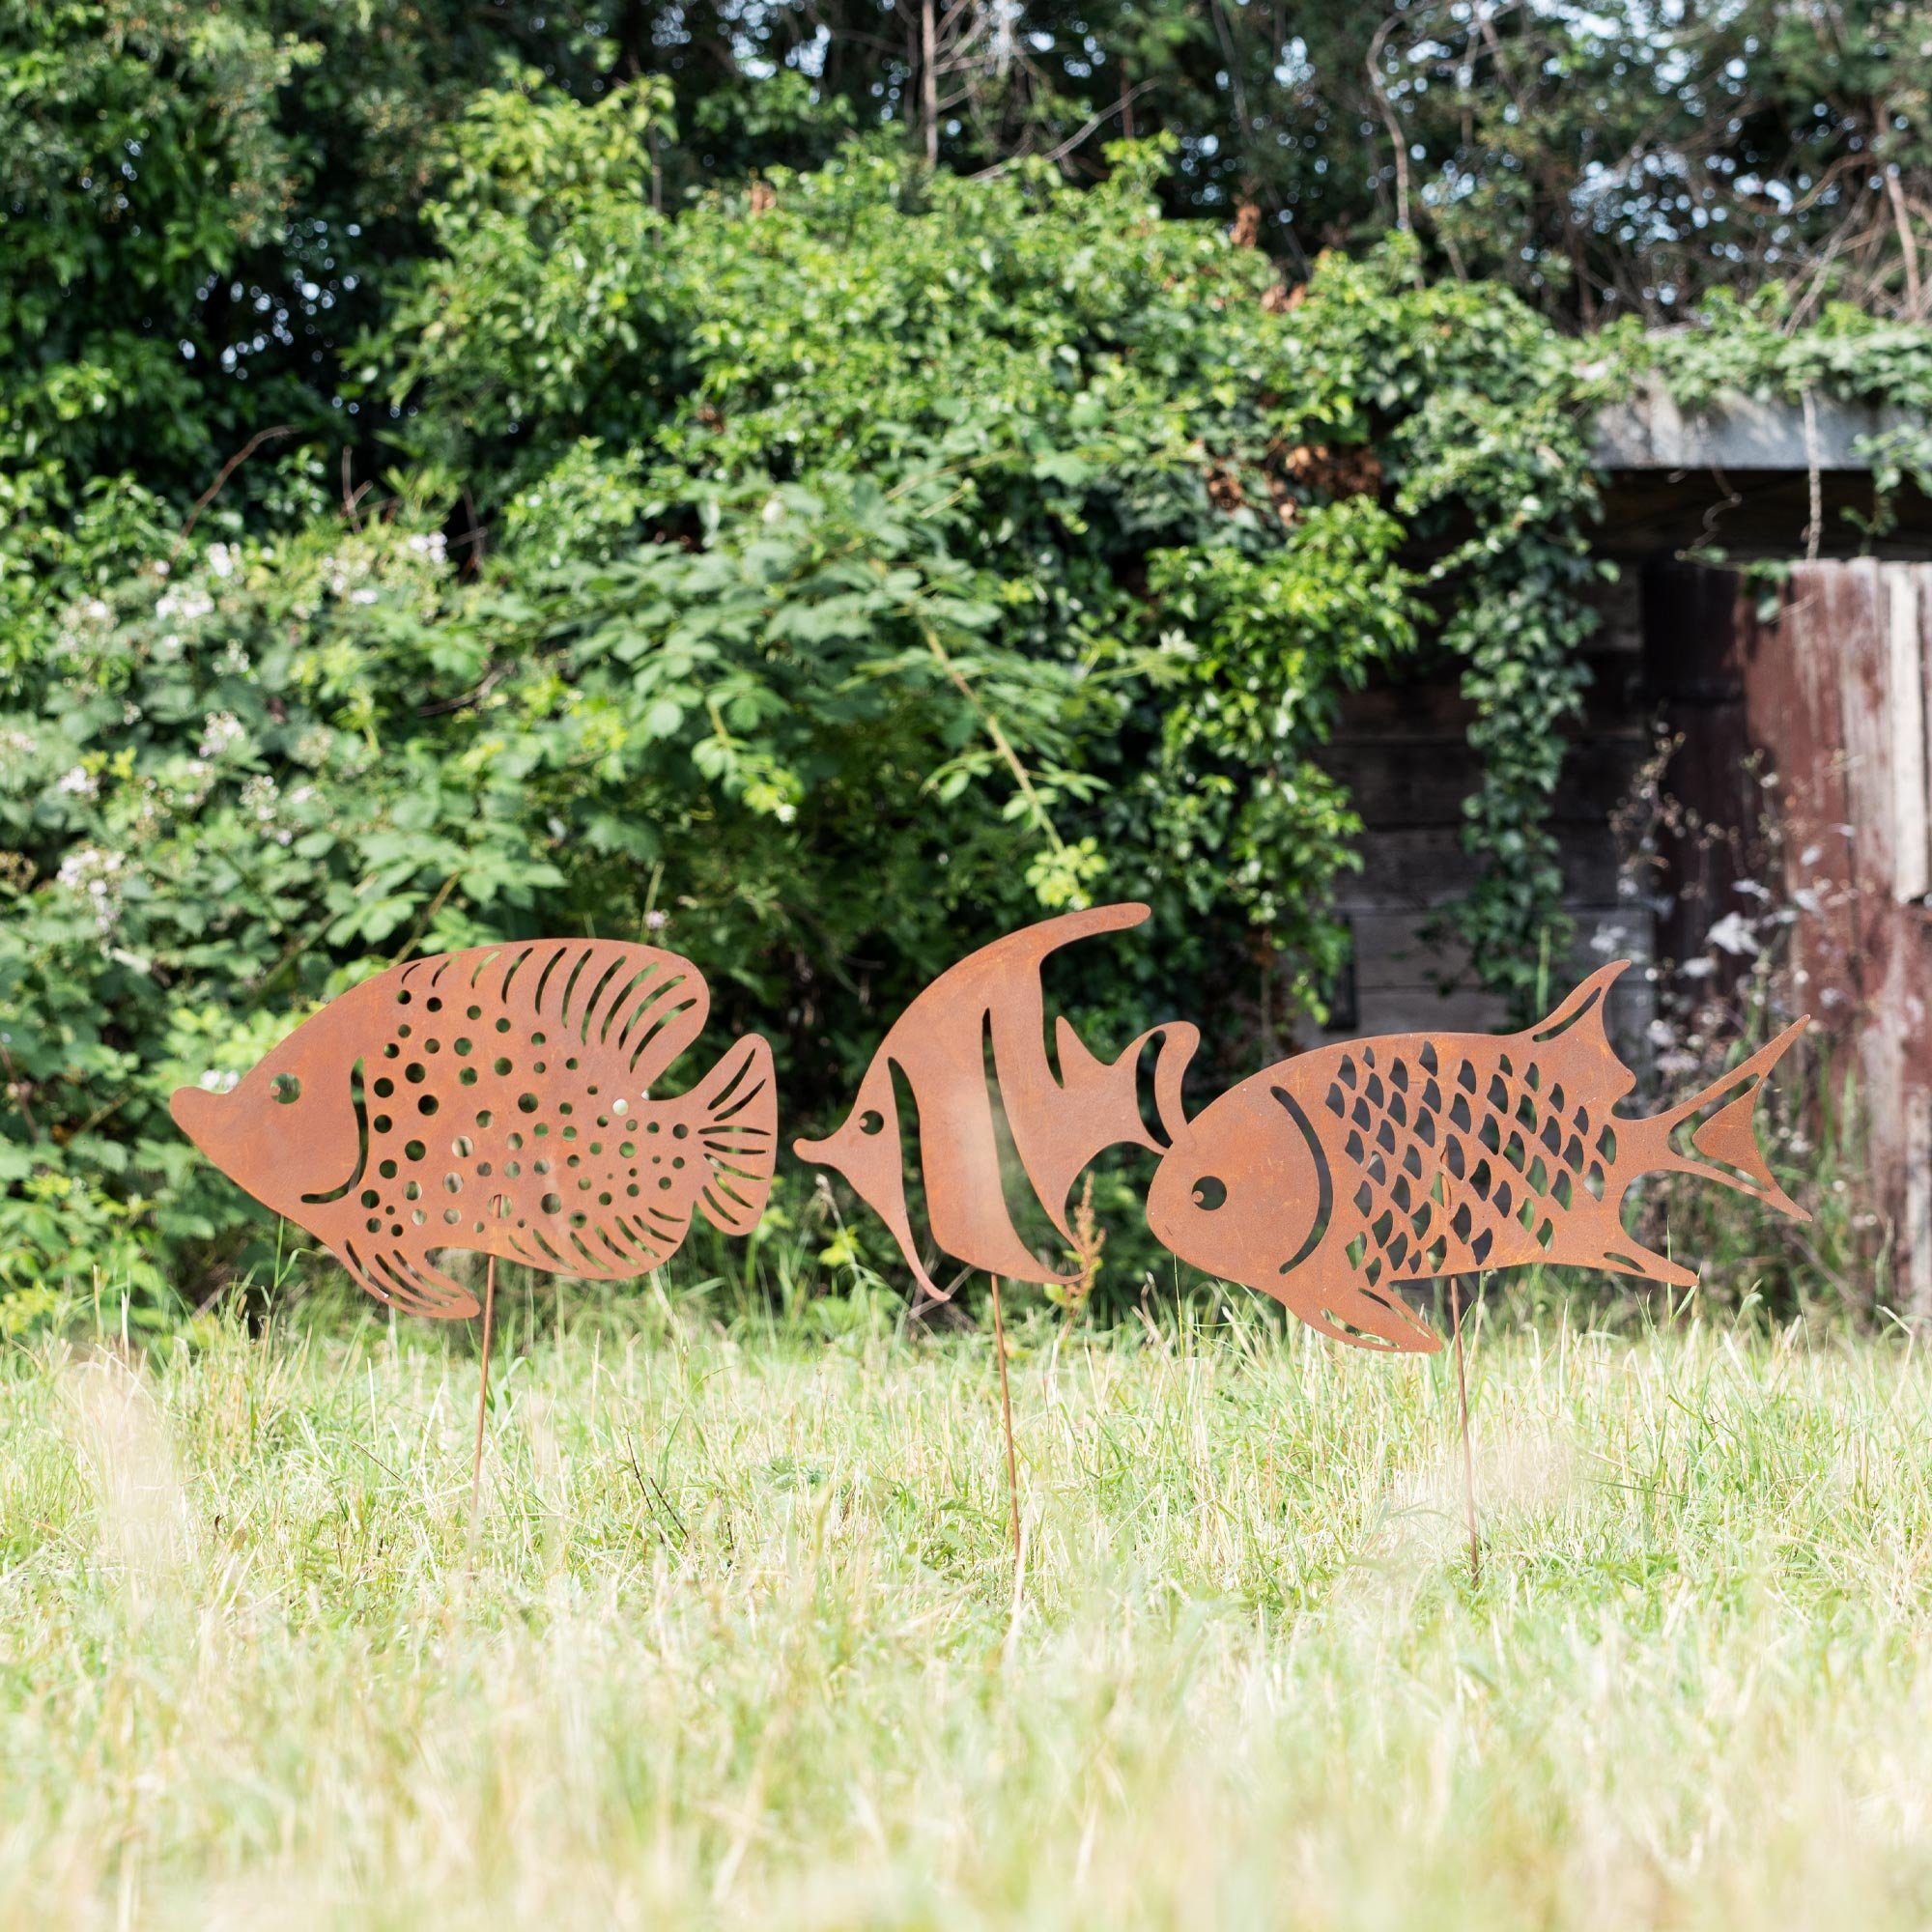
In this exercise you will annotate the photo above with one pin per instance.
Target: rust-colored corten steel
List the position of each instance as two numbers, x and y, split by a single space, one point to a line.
1059 1121
498 1101
1328 1180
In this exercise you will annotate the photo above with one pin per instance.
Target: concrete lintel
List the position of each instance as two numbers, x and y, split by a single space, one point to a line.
1734 432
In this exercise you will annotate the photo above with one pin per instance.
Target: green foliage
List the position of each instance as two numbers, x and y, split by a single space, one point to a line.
1237 800
819 579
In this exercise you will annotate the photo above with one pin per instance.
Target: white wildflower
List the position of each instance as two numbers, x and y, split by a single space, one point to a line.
194 784
79 783
259 798
1732 934
365 595
184 606
218 1080
223 733
431 544
221 559
234 660
95 876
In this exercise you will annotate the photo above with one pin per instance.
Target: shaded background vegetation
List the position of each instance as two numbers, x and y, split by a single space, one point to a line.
819 487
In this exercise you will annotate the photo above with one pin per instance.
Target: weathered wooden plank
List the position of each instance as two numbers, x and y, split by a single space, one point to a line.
1905 703
1419 1009
1405 781
1923 574
1417 867
1752 514
1392 954
1432 708
1821 685
1691 661
1651 430
1914 1246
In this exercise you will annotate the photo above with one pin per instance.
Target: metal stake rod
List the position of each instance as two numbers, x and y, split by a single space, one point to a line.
1006 1411
1462 1395
483 1389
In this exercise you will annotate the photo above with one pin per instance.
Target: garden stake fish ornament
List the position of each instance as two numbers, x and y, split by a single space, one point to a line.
500 1100
1059 1119
1330 1180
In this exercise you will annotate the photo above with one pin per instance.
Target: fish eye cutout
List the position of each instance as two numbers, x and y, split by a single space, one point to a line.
871 1121
287 1089
1210 1192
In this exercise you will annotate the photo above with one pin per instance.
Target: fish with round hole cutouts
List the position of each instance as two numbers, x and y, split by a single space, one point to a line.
498 1101
1331 1178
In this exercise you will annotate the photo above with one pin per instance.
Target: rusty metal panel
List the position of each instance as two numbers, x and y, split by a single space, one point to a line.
1328 1180
498 1101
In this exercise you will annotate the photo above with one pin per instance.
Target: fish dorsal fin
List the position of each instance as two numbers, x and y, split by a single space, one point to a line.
1573 1042
1729 1138
611 995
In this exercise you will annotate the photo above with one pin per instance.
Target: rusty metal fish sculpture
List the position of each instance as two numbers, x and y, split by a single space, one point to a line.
498 1101
1329 1179
1059 1120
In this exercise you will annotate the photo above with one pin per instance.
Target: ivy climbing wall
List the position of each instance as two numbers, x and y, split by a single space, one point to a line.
1401 748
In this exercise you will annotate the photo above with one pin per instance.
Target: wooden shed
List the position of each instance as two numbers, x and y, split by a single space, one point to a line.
1800 694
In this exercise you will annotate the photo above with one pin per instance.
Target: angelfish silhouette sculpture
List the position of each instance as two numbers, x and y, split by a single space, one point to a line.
498 1101
1331 1180
1057 1122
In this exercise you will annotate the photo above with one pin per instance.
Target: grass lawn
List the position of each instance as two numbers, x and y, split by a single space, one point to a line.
738 1640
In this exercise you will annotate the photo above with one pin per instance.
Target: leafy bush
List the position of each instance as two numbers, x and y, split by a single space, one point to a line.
820 581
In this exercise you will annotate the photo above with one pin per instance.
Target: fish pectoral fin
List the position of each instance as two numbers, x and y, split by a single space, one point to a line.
404 1282
1374 1318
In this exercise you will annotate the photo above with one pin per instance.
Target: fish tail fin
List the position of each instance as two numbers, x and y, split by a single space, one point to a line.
733 1114
1722 1144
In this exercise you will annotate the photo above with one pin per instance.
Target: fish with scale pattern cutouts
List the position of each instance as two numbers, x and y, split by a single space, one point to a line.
1331 1178
500 1100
